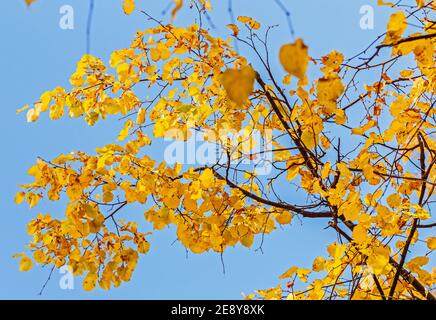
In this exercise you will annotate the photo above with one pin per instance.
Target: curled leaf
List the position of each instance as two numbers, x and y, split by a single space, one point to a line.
179 5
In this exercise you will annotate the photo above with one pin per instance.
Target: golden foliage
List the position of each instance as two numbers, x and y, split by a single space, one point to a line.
362 155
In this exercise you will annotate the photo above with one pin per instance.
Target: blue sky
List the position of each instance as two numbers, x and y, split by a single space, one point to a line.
37 55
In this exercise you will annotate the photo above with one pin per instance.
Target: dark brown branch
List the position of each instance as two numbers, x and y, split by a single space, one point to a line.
414 225
286 206
116 210
409 39
406 275
431 225
286 126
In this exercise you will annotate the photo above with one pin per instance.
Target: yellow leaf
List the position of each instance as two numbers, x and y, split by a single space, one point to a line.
420 3
336 250
332 61
289 273
105 283
325 142
359 233
171 202
22 109
32 115
239 84
128 6
292 172
161 51
399 105
207 178
32 199
29 2
59 261
407 74
303 273
318 264
361 130
195 190
396 26
90 281
108 197
39 256
416 263
419 261
294 58
140 118
329 88
125 131
25 264
247 239
309 138
33 171
249 22
378 259
368 173
179 5
19 197
431 243
326 170
394 200
384 3
234 28
340 116
143 246
284 217
371 198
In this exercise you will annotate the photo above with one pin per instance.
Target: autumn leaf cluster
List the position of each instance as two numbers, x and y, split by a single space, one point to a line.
361 155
